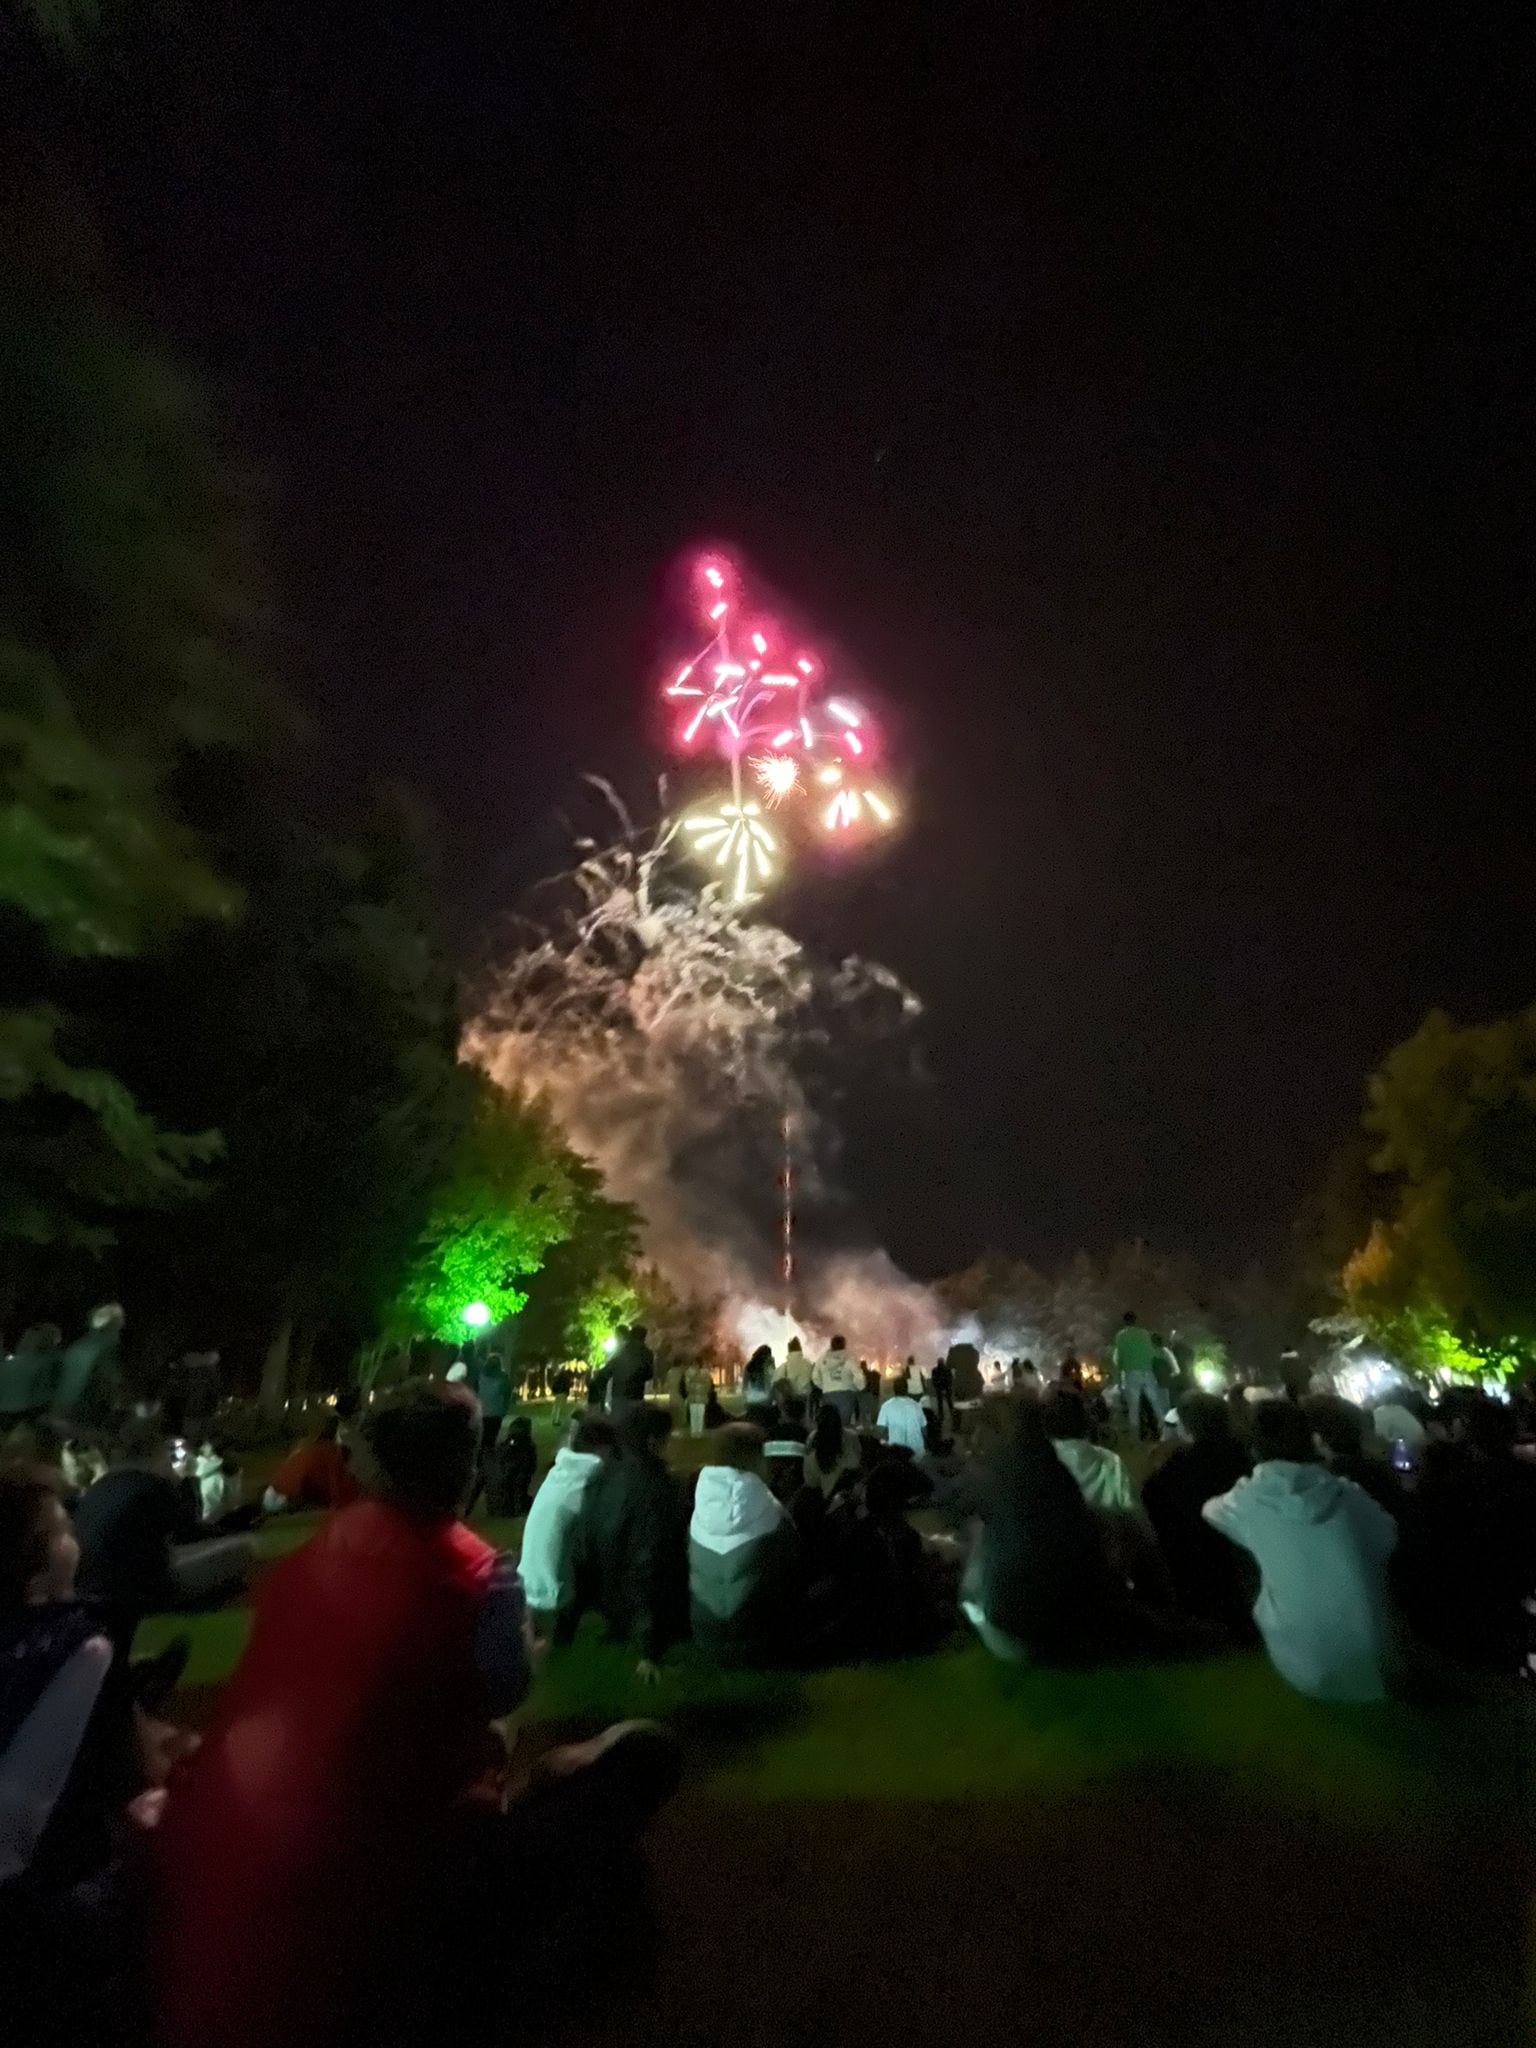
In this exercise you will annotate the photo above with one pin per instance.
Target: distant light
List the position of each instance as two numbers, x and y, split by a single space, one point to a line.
852 740
714 578
476 1316
610 1345
759 643
719 611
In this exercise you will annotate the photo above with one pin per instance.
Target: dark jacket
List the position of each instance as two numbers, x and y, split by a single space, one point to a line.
632 1370
1466 1561
631 1556
128 1523
1207 1571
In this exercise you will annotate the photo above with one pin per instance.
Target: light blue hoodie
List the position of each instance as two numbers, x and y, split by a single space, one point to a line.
1321 1544
549 1534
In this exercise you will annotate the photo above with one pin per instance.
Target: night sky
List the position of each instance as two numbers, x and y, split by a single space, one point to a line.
1133 394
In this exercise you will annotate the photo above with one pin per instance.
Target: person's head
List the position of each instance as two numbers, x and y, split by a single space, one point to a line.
827 1441
141 1442
1484 1425
39 1555
911 1362
330 1428
886 1488
644 1430
637 1334
1204 1419
739 1446
594 1434
421 1442
763 1355
839 1343
520 1431
1337 1426
1065 1414
1157 1338
1279 1430
1129 1317
795 1345
1071 1371
348 1402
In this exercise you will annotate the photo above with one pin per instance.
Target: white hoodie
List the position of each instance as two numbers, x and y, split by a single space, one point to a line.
549 1532
1321 1544
731 1508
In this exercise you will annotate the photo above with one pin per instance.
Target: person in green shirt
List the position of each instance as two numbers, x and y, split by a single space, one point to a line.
1136 1375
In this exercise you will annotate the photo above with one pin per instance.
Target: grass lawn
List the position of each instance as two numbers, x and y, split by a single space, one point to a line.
949 1851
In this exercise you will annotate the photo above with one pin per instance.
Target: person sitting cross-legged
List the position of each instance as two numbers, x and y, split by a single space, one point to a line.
743 1556
1322 1546
347 1835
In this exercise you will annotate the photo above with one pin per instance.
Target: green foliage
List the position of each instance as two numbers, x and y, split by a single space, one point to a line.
506 1199
74 1145
1447 1274
582 1292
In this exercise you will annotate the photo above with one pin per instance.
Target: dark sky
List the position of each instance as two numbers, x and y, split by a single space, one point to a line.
1131 391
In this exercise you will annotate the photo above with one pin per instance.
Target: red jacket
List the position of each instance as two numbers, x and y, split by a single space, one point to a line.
353 1726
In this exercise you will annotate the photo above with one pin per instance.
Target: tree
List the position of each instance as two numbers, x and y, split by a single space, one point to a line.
583 1291
124 615
506 1199
1448 1267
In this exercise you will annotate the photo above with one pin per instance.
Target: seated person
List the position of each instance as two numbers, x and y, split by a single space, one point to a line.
742 1556
901 1422
898 1608
141 1544
315 1473
81 1778
1037 1587
835 1457
1204 1567
1338 1435
1322 1546
1468 1561
631 1558
331 1859
548 1561
1100 1473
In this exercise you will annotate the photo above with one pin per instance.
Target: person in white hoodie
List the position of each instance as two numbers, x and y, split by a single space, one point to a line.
837 1378
741 1555
1321 1544
548 1561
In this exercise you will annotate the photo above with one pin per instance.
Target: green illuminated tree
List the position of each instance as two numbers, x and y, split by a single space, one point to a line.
506 1199
1447 1273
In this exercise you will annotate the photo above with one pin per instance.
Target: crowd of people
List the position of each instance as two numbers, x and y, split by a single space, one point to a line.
348 1805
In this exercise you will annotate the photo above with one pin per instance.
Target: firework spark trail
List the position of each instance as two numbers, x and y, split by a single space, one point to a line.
662 1031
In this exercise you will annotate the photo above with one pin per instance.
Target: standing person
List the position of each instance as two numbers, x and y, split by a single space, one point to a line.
699 1387
561 1382
869 1398
914 1380
838 1379
798 1369
631 1371
943 1384
757 1385
1322 1547
631 1554
507 1474
330 1816
1134 1357
89 1384
493 1388
1169 1372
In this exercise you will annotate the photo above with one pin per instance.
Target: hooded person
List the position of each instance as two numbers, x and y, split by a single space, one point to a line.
1322 1546
742 1554
548 1560
630 1561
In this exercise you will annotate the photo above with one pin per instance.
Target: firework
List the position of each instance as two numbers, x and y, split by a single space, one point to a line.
735 838
758 700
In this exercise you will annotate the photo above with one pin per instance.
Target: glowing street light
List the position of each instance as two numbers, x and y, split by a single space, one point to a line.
476 1316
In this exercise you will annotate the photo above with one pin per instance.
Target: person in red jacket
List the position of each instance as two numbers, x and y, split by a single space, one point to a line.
343 1824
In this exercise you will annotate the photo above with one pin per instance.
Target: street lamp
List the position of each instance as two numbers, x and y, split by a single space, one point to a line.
476 1316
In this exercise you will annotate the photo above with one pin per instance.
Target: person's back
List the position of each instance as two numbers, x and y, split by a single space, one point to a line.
493 1386
128 1524
1100 1474
548 1560
630 1540
349 1734
1468 1564
1134 1350
1322 1547
741 1551
633 1367
902 1420
1202 1565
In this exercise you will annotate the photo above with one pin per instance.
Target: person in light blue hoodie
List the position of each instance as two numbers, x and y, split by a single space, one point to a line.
1321 1544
